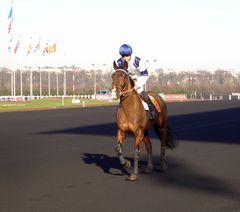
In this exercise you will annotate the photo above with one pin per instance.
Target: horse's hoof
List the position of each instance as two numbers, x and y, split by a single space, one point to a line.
127 164
163 164
149 170
133 177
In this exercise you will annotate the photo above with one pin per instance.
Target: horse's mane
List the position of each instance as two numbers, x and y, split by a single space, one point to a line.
130 78
132 82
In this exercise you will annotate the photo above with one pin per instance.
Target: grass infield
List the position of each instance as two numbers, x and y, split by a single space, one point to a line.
51 103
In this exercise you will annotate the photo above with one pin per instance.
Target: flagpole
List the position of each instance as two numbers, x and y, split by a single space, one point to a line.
57 81
73 85
21 83
14 84
31 89
94 86
40 82
64 82
11 82
49 84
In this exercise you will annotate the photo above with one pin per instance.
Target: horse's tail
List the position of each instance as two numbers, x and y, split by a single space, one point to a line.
172 142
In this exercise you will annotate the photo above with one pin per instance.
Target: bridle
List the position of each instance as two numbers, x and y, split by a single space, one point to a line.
125 92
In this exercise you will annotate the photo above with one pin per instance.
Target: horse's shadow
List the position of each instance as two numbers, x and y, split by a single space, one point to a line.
179 175
109 165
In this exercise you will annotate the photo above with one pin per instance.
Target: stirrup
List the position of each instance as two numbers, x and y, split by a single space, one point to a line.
152 112
152 115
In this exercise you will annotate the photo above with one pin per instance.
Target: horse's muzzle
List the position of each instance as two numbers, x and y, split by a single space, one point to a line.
114 94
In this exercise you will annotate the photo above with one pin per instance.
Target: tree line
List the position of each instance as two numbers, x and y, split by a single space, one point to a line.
80 81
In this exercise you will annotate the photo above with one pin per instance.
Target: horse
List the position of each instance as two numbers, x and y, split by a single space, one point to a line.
132 118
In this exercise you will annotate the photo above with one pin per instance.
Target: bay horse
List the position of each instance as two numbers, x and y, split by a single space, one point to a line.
133 119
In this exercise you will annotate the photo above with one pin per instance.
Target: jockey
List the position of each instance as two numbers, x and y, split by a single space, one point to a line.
138 72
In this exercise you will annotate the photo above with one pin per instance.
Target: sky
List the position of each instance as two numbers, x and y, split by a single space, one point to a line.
177 34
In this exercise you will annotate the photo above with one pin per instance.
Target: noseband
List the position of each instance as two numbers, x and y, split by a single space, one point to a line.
123 93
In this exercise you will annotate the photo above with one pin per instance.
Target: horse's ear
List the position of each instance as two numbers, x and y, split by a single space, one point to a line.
132 82
125 65
115 65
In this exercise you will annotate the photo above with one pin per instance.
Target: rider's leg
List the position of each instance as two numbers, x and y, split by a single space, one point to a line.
139 85
152 110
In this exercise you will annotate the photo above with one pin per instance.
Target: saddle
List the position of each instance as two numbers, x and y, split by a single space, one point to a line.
151 104
154 102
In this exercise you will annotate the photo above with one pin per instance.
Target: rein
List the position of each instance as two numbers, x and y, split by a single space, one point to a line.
127 91
123 93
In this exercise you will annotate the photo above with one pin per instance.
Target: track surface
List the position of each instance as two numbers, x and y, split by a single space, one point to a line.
64 160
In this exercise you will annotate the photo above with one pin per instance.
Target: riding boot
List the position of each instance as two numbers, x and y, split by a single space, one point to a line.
153 113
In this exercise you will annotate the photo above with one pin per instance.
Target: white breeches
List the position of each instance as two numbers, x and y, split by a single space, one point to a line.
140 82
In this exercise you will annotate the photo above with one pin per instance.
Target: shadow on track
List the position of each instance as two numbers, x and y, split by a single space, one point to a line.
220 126
179 174
105 162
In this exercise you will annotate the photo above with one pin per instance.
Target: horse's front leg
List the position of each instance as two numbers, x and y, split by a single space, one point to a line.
118 148
138 138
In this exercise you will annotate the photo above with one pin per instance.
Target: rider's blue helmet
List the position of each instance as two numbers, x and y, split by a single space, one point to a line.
125 50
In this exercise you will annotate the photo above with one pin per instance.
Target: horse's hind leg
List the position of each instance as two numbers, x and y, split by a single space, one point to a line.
148 146
118 148
162 133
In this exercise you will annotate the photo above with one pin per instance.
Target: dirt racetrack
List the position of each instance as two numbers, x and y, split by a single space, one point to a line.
64 160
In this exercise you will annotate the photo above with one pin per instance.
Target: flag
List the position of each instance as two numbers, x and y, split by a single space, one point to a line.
17 46
10 41
10 16
9 26
10 13
29 49
51 48
37 47
45 49
10 44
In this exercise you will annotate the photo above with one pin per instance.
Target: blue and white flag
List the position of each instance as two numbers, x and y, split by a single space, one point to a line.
10 13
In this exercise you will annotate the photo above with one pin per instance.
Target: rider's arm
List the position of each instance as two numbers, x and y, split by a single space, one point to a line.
143 68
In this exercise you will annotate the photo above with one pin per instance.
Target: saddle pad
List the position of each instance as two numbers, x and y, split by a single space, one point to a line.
145 105
154 101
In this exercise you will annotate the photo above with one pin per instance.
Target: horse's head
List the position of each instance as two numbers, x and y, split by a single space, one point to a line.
121 81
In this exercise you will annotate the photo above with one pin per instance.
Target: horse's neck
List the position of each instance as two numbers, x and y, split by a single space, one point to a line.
132 103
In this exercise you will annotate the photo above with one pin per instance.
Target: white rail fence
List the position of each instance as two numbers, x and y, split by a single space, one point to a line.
26 98
167 97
